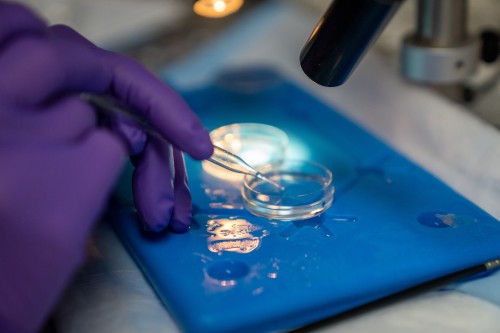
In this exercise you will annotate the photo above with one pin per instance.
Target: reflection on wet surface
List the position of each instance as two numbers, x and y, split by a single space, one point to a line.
385 168
229 239
441 219
318 223
233 234
227 197
220 276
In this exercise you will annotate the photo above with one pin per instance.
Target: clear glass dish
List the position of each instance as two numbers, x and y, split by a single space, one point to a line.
307 191
257 144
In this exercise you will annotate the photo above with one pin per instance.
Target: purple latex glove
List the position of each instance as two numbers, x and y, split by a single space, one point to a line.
57 167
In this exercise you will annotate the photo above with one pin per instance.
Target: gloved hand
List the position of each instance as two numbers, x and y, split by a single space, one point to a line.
57 167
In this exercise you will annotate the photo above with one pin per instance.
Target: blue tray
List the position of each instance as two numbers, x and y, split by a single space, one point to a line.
392 226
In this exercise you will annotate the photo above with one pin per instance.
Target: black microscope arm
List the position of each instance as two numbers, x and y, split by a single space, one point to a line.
342 36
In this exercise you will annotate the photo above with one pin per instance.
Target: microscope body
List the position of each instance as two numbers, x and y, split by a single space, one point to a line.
439 53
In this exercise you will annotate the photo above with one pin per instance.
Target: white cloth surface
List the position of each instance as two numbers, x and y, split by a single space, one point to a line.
111 295
432 312
112 23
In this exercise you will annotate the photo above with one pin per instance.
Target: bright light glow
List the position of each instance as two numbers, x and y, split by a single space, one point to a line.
221 173
256 157
256 144
219 6
234 145
298 150
216 8
228 138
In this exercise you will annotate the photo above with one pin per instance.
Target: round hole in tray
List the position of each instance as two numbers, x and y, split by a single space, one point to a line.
228 270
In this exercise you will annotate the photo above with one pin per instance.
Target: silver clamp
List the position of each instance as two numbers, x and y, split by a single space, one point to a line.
439 65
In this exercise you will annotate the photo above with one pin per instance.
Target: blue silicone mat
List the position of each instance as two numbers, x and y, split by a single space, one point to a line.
392 225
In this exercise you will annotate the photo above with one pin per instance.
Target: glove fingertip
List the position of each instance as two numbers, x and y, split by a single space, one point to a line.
179 227
154 227
155 222
180 223
154 216
201 146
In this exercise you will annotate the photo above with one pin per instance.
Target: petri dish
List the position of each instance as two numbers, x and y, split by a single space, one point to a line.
258 144
307 191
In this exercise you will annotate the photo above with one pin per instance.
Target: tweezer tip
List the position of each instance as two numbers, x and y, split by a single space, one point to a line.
264 178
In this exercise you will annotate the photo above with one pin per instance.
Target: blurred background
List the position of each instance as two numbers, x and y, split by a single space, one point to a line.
158 32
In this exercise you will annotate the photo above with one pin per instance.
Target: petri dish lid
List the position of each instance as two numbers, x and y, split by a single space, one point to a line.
258 144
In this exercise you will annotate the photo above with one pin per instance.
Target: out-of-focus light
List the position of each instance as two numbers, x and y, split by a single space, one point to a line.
216 8
220 6
298 150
